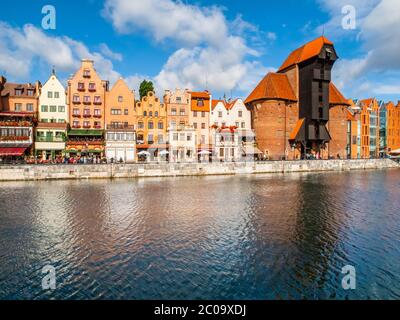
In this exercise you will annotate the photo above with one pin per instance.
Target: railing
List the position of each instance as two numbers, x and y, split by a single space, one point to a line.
15 124
14 138
49 139
120 127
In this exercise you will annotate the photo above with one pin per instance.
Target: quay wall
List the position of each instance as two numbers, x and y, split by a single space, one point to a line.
109 171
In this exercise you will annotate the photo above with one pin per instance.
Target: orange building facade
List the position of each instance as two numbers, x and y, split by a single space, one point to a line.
86 96
199 118
151 123
120 111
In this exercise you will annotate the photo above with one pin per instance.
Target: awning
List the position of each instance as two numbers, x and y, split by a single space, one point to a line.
251 150
299 132
12 152
397 151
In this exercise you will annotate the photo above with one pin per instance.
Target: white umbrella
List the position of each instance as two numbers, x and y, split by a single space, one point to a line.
144 153
164 153
204 152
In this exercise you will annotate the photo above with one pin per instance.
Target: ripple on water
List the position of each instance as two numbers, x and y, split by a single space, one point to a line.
250 237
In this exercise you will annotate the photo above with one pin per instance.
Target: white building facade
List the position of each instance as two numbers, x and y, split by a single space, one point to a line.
51 132
120 144
182 144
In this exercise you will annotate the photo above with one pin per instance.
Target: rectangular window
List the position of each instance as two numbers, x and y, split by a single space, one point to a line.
81 86
120 99
126 112
160 125
200 103
182 112
195 114
86 99
61 108
18 92
56 95
150 125
219 114
178 99
203 125
29 107
195 125
173 112
50 94
97 112
18 107
140 125
76 99
240 114
203 114
30 92
175 137
53 108
75 112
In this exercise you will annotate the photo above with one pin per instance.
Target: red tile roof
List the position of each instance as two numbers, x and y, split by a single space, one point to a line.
336 97
305 52
202 94
274 86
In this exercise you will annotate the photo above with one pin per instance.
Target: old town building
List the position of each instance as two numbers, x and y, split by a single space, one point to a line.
178 107
120 122
199 118
51 131
291 108
389 133
151 127
86 95
339 125
366 113
18 115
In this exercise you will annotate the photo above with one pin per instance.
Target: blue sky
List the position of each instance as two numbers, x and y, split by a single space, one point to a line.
224 45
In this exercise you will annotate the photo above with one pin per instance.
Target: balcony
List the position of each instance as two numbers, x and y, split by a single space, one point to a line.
77 126
76 115
50 139
97 102
15 139
87 102
21 124
87 115
76 101
97 116
92 88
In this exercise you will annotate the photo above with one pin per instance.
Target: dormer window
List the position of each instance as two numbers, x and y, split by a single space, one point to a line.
200 103
30 92
18 92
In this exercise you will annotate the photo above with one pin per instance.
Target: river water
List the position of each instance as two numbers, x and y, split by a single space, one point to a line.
247 237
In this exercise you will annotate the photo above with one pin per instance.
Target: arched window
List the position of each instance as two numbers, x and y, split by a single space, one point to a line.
150 125
144 113
160 125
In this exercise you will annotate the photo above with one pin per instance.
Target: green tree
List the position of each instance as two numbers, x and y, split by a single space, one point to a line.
145 87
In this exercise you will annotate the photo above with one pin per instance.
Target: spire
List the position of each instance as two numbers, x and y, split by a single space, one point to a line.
53 71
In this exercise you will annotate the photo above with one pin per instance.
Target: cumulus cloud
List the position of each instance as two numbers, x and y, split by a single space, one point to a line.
378 31
107 52
211 52
20 48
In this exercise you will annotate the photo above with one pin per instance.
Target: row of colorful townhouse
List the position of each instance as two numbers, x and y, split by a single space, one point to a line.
294 113
91 120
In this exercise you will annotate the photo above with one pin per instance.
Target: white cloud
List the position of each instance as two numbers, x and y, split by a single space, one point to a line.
21 48
379 33
107 52
212 52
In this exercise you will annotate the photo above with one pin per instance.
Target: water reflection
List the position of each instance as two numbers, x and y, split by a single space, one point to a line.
249 237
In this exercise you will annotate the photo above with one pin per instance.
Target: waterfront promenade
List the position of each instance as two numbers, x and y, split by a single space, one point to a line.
109 171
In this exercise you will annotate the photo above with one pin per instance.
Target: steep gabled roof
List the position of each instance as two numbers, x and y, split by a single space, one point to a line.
308 51
336 97
274 86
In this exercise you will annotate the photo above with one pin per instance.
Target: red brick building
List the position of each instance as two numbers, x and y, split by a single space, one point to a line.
291 109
